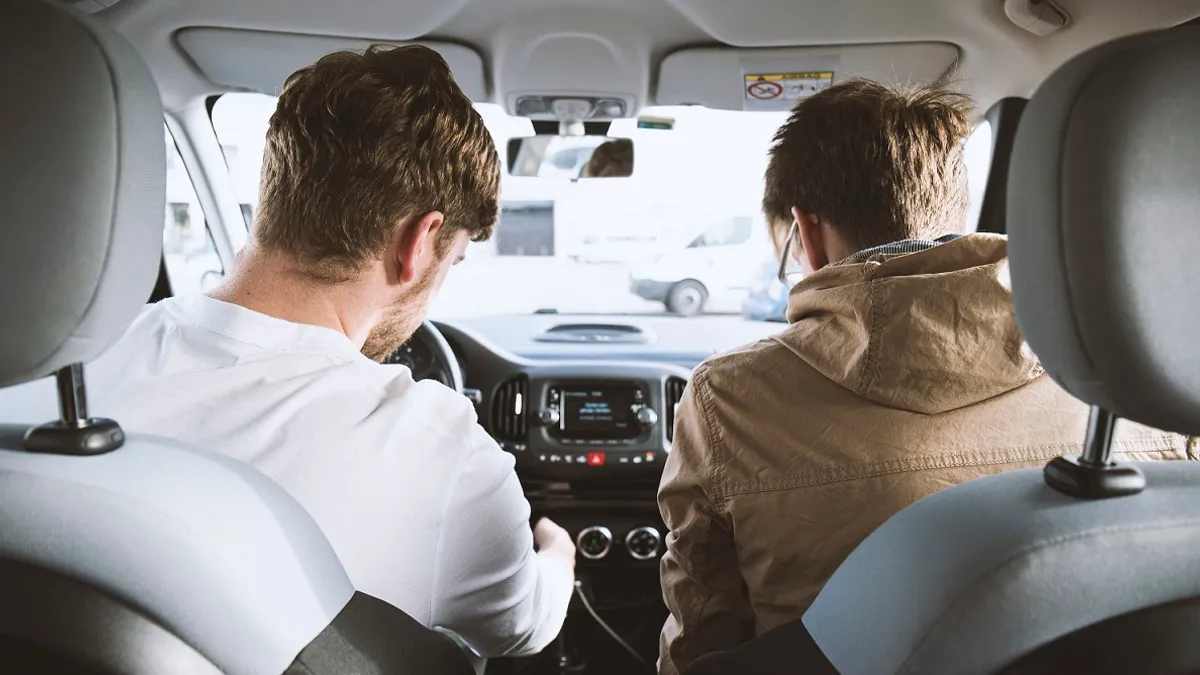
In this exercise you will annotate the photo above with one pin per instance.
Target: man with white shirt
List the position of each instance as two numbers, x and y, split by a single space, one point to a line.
377 173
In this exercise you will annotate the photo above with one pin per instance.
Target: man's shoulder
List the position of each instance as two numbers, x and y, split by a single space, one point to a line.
426 403
148 320
444 420
427 424
745 363
759 398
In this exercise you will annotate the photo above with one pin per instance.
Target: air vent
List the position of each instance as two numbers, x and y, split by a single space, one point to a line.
509 410
601 333
675 386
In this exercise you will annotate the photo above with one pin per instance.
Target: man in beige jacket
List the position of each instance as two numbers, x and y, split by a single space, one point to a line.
902 372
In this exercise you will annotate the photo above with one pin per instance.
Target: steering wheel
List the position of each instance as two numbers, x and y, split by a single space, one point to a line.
428 355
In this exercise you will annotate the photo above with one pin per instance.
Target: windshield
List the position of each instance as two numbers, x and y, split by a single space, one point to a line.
683 235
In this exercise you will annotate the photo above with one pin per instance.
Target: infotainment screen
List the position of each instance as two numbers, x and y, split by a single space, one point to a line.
599 412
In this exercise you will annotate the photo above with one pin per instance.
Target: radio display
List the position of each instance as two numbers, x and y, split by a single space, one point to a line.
599 412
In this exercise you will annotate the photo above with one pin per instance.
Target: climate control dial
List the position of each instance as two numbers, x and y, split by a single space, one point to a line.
643 542
594 542
549 416
646 416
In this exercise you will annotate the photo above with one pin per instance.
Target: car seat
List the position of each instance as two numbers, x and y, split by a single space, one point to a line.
122 553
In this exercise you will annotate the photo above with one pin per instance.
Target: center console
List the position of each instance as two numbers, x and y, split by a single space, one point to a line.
590 437
590 441
589 426
598 421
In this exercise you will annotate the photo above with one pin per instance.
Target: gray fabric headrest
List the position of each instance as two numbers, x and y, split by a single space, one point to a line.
1104 227
82 187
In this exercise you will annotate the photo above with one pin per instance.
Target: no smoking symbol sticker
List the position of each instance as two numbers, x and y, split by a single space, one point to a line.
763 90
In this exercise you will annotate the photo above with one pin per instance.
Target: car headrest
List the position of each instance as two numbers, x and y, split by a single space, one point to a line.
1104 227
82 187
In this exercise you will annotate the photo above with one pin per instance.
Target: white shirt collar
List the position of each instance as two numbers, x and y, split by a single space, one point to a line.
260 330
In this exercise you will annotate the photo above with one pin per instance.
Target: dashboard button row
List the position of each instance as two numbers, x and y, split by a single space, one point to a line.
597 458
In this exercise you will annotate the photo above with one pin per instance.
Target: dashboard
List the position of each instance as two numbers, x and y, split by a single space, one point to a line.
580 399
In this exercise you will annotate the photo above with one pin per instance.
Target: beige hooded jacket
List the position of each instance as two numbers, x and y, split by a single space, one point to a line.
899 375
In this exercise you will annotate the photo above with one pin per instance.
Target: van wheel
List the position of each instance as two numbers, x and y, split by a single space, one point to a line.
687 298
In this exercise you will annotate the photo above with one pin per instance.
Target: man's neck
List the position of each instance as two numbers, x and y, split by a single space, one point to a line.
273 284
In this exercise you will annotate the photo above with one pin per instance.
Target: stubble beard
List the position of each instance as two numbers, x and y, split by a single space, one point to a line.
399 322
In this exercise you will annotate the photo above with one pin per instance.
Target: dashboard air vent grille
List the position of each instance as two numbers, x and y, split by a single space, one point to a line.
596 333
675 386
510 408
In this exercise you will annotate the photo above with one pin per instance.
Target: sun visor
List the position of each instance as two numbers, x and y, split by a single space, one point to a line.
261 60
774 79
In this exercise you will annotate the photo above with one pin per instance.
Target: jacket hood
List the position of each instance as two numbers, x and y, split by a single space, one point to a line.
928 332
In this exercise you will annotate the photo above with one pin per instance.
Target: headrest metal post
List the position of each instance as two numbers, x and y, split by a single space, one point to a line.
74 433
1092 474
1097 448
72 395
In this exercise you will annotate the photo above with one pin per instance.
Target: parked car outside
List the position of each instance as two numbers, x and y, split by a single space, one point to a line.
705 275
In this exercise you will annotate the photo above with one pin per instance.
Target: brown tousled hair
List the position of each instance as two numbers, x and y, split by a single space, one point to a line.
361 143
878 164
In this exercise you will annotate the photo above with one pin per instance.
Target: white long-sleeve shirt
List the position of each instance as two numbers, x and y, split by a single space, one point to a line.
421 505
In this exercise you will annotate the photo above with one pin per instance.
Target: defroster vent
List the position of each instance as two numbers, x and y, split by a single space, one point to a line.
510 410
675 387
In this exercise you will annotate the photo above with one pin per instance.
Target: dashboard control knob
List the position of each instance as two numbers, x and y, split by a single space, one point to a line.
594 542
643 542
647 417
549 416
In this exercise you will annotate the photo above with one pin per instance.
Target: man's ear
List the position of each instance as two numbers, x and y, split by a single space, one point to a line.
415 243
811 238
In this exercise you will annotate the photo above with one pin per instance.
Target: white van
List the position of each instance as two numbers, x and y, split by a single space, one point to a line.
713 271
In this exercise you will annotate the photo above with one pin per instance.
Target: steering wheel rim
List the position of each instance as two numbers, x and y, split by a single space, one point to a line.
443 355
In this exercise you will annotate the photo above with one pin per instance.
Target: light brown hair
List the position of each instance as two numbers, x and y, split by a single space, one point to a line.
878 164
358 144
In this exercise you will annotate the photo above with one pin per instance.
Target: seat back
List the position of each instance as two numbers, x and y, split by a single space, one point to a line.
1087 565
205 561
160 558
988 573
127 554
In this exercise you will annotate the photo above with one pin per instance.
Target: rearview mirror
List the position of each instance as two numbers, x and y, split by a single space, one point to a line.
570 157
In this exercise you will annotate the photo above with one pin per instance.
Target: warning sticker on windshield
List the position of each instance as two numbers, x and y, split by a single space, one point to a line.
781 91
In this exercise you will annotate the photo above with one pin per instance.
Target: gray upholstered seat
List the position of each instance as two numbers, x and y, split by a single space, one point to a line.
131 554
1087 566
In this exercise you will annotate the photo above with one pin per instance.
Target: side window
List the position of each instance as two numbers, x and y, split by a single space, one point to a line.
240 121
978 156
188 248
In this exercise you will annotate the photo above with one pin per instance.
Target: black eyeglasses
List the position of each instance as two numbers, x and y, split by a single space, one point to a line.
787 253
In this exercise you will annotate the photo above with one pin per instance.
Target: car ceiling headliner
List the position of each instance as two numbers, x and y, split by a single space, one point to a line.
997 59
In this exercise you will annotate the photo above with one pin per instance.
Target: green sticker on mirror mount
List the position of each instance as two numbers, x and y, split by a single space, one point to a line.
655 123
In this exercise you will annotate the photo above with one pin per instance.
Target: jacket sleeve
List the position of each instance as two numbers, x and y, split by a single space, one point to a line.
490 587
701 579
